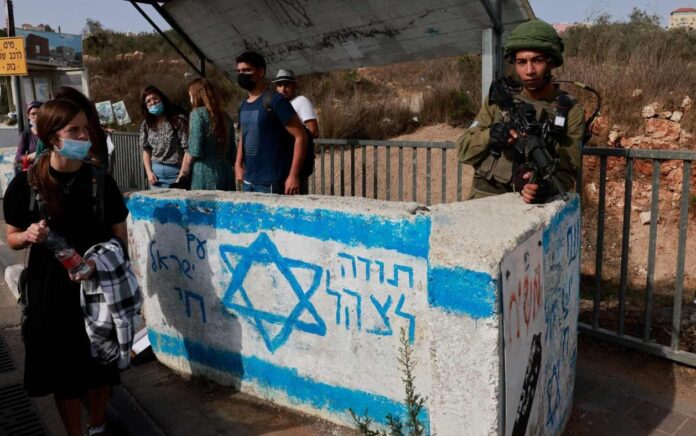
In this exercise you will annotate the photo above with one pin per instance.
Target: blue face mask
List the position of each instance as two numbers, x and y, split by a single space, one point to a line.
74 148
156 109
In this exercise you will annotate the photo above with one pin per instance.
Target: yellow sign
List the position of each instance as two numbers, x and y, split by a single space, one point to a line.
13 58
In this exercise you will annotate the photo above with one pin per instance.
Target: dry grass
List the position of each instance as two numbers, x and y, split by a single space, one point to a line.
618 58
382 102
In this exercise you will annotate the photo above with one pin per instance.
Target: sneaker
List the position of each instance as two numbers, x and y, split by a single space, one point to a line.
96 431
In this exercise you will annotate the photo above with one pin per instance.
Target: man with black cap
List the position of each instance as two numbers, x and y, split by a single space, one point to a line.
534 48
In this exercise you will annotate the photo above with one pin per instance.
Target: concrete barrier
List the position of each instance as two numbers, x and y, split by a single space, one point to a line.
7 155
301 301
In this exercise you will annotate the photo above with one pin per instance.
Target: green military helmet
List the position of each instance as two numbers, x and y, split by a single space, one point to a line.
535 35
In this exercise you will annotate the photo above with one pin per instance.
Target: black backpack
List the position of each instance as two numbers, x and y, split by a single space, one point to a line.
288 140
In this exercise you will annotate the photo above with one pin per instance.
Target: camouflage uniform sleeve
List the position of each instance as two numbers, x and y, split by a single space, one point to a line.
569 148
472 145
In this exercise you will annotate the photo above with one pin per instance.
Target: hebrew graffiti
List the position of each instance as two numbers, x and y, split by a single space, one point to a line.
394 281
370 296
524 325
352 264
561 318
186 296
382 309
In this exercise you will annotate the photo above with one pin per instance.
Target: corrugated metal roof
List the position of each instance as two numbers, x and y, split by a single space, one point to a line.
323 35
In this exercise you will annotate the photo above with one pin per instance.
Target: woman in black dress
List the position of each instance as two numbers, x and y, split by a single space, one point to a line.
58 359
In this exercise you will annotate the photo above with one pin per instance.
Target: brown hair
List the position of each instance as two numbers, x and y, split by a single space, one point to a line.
204 95
53 116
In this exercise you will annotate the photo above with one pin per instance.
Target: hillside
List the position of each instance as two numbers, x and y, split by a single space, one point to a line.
634 62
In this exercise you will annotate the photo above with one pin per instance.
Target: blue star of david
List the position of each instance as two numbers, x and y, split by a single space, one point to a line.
264 251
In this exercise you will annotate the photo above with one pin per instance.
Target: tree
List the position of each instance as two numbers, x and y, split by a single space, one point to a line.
46 27
602 19
95 37
92 27
643 18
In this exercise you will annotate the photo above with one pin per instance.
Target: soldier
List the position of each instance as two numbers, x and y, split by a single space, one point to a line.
534 48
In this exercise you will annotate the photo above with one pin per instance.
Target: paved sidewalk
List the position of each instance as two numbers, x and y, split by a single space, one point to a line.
633 394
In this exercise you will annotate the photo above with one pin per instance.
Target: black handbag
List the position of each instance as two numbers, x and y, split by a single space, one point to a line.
23 286
184 182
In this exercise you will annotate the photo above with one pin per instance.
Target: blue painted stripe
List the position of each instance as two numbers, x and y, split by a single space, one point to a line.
408 236
571 208
463 291
302 389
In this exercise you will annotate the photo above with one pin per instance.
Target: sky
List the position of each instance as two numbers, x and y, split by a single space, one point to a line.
71 15
120 15
556 11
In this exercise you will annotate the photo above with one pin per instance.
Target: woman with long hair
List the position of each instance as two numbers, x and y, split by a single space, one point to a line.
97 133
57 195
211 139
163 138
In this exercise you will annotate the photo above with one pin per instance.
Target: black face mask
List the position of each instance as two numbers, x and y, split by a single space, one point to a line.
245 81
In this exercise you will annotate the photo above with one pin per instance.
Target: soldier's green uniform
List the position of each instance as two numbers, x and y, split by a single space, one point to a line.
493 175
494 171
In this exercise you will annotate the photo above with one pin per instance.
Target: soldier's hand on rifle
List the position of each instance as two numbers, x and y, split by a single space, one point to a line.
502 135
530 191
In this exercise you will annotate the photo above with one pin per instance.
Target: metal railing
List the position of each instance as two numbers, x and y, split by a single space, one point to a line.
127 162
642 338
427 172
346 167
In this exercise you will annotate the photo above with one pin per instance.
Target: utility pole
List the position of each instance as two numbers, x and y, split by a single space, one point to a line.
17 88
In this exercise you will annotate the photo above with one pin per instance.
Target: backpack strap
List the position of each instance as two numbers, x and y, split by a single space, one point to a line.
268 102
32 191
35 202
97 178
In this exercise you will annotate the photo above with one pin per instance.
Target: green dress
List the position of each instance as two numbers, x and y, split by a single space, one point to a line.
210 171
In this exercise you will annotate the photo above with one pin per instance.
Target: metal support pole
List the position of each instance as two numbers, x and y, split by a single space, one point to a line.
16 84
200 71
492 56
490 64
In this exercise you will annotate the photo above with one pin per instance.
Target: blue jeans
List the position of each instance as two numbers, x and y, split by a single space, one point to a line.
166 175
277 188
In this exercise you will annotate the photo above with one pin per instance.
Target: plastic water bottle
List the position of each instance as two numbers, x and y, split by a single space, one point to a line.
67 255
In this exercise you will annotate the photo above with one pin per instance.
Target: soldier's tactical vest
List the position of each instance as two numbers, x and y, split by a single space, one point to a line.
499 170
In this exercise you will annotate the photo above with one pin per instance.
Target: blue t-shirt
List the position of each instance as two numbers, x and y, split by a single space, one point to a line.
267 152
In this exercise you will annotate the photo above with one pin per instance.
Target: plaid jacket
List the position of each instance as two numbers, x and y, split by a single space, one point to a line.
110 302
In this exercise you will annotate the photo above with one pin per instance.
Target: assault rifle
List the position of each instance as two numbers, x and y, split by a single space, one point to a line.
535 147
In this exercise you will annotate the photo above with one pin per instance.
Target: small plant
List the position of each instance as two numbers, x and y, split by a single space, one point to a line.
414 401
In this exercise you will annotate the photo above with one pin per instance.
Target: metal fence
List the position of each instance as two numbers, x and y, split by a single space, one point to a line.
127 162
642 338
427 172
